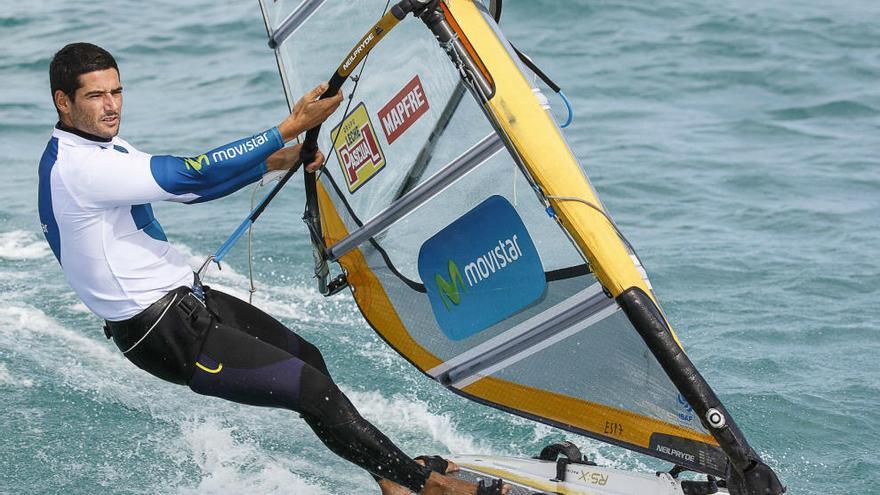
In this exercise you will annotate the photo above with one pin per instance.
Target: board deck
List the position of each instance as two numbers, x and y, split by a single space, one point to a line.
533 476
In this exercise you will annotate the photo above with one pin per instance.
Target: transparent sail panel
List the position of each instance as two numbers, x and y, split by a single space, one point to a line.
476 284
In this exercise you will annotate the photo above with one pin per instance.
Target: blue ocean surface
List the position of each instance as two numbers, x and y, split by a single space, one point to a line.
737 145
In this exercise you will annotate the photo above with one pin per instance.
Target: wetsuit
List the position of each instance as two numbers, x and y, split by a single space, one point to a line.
94 197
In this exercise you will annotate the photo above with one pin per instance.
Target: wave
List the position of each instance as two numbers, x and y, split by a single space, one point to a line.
229 464
831 109
10 22
8 379
23 245
409 417
206 454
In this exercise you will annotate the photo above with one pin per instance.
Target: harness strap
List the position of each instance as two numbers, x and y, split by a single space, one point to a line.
191 303
152 326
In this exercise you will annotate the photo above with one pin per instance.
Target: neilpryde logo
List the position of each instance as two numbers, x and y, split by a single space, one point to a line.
481 269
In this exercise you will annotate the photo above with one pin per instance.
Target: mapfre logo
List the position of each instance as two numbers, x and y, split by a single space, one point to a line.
403 110
357 148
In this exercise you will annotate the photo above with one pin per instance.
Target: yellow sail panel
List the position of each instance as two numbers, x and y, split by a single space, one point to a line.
538 141
543 150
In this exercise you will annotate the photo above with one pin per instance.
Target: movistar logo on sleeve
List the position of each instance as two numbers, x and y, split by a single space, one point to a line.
481 269
197 163
239 148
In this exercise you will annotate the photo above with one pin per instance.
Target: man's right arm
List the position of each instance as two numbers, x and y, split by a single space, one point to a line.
116 176
218 172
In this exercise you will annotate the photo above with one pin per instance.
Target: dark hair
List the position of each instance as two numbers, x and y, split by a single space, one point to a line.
74 60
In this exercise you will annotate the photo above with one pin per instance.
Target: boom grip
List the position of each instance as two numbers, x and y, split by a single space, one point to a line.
310 144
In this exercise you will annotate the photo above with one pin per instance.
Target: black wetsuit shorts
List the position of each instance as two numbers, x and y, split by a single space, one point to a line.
221 346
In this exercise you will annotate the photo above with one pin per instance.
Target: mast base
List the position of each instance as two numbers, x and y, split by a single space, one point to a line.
756 480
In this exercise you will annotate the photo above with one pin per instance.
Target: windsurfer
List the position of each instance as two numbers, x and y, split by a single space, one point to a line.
95 191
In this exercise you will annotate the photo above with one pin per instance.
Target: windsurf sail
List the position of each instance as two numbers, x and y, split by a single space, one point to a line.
473 242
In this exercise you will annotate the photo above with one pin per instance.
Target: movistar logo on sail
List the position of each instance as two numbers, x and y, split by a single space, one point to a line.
481 269
450 290
497 258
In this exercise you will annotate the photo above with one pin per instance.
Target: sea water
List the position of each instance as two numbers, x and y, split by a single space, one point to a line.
736 143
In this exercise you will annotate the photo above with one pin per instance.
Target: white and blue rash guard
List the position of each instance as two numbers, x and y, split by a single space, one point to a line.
94 203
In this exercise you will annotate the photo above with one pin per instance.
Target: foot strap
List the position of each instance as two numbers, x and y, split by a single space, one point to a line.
493 489
434 463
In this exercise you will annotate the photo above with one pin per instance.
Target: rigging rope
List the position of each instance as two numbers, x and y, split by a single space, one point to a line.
600 210
228 244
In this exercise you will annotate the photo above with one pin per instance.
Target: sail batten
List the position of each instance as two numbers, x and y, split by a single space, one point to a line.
518 331
526 349
397 210
294 20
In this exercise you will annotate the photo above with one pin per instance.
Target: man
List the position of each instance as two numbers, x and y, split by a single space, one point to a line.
95 192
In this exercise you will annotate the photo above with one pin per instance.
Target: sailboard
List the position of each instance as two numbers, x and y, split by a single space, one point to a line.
473 242
543 477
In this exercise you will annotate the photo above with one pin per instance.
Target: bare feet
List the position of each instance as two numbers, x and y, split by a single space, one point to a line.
444 485
392 488
437 485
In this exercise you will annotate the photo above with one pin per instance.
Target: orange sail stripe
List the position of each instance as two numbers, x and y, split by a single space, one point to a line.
368 292
603 420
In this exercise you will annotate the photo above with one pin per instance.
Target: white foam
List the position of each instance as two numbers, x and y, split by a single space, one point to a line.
292 302
79 307
28 324
541 431
66 353
23 245
85 362
89 364
413 417
232 465
9 380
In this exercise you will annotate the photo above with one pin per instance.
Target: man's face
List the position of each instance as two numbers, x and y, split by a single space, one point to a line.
97 105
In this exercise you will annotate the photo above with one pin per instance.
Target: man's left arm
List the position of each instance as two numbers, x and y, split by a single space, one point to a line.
225 169
283 159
